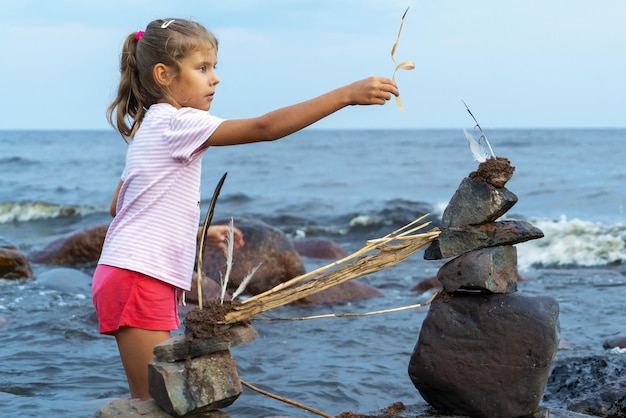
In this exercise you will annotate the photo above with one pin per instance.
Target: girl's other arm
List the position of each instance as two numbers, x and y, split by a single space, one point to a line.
113 207
290 119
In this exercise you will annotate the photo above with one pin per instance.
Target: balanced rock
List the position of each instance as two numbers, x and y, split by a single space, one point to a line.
205 383
476 202
182 347
485 355
458 240
492 269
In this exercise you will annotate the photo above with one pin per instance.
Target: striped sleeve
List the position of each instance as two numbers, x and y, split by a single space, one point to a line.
188 130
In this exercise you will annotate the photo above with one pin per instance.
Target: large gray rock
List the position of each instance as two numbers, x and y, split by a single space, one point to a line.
486 355
492 269
476 202
458 240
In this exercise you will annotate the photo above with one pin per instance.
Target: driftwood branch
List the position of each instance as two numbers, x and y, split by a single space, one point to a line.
387 256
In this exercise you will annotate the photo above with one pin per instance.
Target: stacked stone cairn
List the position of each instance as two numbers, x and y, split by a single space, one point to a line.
191 376
484 350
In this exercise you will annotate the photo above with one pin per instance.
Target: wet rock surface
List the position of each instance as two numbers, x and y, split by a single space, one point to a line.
595 386
483 354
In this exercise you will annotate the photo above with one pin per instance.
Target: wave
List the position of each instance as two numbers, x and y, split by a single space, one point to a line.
573 242
32 211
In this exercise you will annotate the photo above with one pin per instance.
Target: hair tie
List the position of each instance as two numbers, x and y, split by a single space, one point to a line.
138 35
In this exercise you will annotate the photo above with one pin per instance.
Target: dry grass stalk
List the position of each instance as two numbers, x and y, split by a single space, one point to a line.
405 65
387 256
341 315
369 247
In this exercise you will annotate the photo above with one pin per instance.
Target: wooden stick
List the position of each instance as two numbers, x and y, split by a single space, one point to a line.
285 400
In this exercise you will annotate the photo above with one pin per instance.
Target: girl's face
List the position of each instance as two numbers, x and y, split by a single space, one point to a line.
195 84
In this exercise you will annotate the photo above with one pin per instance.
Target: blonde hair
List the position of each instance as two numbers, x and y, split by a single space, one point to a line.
166 41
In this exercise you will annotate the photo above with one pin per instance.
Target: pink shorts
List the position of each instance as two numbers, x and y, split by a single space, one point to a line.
125 298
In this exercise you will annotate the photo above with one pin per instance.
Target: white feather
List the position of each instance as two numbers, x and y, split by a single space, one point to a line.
245 281
230 242
479 151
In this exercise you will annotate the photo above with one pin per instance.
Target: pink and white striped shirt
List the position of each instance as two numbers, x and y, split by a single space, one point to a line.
158 209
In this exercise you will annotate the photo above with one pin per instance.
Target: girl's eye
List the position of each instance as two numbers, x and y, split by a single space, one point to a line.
203 68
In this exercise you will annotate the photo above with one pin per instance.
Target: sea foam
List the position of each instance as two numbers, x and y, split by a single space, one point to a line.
573 242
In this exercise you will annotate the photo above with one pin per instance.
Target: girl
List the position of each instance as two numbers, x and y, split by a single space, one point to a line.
167 85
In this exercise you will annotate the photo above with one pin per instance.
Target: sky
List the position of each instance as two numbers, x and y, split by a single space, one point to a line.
516 63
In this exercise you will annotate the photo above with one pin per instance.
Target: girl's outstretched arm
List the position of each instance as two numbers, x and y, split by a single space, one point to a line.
290 119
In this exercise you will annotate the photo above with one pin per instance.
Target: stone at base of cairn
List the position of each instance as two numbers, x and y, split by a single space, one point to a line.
486 355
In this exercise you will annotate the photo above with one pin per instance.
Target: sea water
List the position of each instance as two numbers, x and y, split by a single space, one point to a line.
344 185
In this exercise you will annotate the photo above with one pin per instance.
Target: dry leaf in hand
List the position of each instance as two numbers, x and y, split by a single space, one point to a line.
405 65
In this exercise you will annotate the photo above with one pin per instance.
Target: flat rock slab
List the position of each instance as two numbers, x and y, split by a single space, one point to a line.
458 240
141 408
181 347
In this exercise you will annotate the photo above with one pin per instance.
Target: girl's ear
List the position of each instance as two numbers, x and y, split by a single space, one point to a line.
162 74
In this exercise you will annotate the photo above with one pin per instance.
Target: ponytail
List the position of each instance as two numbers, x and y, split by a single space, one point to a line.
127 110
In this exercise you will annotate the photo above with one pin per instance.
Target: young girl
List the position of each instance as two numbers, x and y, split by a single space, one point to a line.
167 85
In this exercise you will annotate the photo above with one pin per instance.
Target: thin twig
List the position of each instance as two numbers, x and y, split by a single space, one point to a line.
205 226
285 400
340 315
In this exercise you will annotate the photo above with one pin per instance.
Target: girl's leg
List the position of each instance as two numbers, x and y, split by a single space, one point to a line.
136 347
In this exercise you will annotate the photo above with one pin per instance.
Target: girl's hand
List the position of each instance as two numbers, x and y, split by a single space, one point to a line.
217 236
372 90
